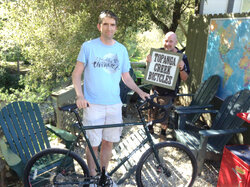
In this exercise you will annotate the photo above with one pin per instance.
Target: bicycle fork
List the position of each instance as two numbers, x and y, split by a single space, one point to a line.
160 167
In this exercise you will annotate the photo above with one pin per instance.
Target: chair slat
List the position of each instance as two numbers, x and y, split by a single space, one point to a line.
13 133
203 96
228 119
41 124
35 126
6 132
24 129
29 126
18 128
225 119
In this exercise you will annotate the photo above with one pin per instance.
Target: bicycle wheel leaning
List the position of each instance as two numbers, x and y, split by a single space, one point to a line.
178 166
56 167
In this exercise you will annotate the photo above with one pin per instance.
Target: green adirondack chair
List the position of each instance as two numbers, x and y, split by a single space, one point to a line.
25 134
201 98
209 144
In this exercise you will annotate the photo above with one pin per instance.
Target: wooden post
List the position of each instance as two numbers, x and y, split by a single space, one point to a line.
2 176
61 98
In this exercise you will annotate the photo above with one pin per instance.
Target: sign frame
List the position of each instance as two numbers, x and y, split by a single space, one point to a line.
166 68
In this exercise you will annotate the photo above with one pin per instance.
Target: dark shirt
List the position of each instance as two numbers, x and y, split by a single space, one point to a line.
168 92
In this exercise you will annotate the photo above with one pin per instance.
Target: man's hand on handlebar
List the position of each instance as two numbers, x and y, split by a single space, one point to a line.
144 95
150 100
149 103
81 102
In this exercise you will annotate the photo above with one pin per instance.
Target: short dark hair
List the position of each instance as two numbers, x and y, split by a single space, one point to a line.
107 13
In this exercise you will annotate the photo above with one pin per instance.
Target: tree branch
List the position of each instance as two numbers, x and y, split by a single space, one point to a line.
176 15
158 22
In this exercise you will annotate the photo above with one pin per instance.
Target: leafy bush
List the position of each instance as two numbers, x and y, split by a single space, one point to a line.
50 33
8 80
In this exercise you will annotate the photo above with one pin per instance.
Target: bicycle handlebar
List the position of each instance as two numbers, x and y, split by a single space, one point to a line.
165 108
152 104
68 108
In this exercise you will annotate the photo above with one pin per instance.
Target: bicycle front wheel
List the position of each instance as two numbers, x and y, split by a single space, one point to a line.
177 166
56 167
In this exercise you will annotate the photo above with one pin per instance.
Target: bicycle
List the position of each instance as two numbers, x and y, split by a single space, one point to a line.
163 164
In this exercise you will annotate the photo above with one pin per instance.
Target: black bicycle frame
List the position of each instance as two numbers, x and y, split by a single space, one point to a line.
126 158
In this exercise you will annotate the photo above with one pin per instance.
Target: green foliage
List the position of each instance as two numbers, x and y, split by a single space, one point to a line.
140 43
7 80
11 54
139 74
25 93
49 34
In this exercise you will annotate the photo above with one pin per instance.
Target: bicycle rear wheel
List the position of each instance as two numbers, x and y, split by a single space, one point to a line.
56 167
178 166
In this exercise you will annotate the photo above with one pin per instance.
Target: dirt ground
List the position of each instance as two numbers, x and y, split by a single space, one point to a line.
210 171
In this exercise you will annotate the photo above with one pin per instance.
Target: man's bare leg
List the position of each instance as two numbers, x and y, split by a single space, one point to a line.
90 160
106 153
163 129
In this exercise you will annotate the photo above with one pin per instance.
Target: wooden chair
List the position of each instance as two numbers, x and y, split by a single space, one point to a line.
25 134
208 144
201 98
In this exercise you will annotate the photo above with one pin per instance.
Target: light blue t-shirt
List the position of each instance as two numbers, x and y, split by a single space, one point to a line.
104 65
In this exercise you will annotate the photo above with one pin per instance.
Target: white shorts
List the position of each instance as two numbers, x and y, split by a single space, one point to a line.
100 115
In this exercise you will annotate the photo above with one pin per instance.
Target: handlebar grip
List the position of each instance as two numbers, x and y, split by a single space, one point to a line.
152 104
148 100
68 108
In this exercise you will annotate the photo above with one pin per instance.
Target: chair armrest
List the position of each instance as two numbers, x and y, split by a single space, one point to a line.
194 111
67 137
12 159
191 95
210 133
193 107
205 134
183 115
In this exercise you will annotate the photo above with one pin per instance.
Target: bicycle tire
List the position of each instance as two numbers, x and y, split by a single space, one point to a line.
43 169
177 160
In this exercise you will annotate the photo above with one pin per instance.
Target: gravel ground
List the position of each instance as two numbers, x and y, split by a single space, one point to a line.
210 171
208 177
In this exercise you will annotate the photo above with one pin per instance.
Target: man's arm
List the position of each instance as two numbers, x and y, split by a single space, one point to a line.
77 82
127 79
183 73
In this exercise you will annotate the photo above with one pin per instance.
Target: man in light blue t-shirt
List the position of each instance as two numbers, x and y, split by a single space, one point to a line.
104 62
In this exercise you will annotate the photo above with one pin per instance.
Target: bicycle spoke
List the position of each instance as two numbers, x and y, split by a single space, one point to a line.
175 169
54 168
